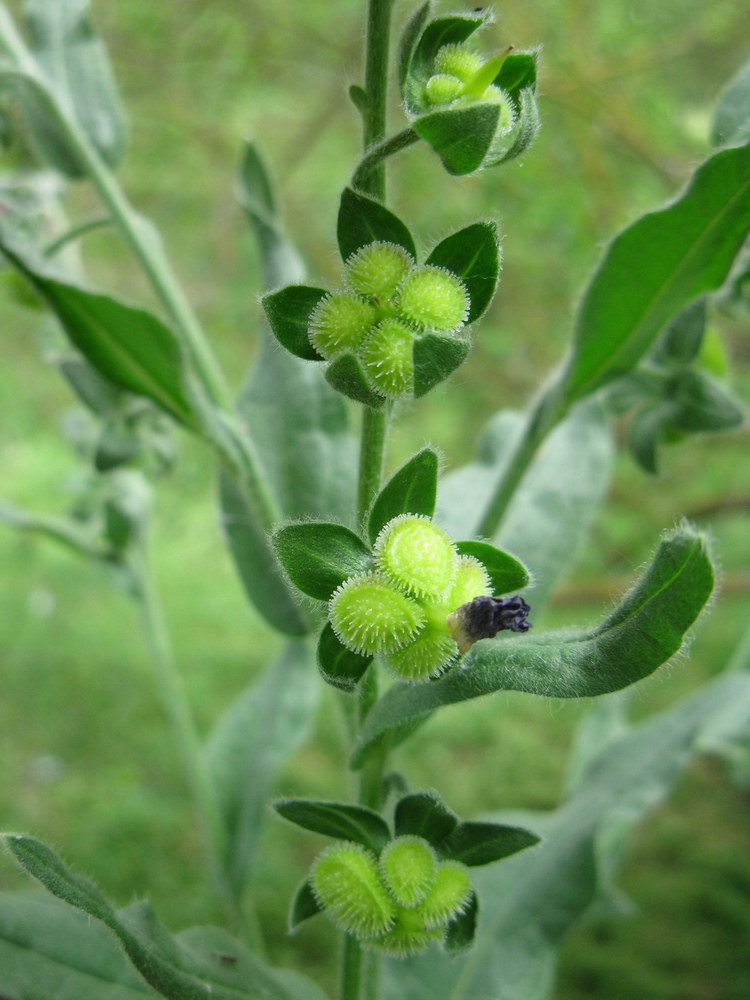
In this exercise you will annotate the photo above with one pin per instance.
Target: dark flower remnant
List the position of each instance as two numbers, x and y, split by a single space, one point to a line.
485 616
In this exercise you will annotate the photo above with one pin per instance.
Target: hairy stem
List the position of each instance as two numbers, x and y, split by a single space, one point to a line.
371 452
351 969
87 226
381 151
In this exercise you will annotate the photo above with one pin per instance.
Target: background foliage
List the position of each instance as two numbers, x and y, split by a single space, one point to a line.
626 94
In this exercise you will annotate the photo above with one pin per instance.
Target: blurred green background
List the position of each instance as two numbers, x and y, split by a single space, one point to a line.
627 89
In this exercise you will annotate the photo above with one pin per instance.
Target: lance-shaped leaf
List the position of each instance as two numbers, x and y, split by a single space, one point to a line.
435 358
128 346
347 376
476 844
411 490
644 631
731 121
250 744
340 820
303 906
75 62
424 814
188 967
363 220
530 901
473 254
505 571
340 667
318 557
288 313
657 266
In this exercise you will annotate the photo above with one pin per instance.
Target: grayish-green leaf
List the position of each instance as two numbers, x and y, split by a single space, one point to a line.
643 631
657 266
731 122
251 742
49 951
128 346
529 902
555 502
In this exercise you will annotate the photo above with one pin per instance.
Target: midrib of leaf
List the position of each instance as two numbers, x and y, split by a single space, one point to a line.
582 388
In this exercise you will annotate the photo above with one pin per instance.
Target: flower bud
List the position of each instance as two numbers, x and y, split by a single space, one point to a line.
458 61
388 357
409 868
431 298
340 322
378 268
427 656
370 616
416 555
448 896
347 885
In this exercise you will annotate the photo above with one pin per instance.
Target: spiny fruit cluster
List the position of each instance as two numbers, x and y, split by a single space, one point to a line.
400 609
460 76
388 302
397 903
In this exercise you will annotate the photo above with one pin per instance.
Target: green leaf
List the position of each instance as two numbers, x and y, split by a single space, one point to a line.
657 266
462 930
363 220
249 745
347 376
304 905
644 631
339 666
408 42
288 313
56 951
731 121
516 140
188 967
555 502
702 404
255 561
75 63
450 30
435 358
531 901
424 814
645 434
411 490
91 388
505 571
461 137
518 73
476 844
128 346
318 557
340 820
473 254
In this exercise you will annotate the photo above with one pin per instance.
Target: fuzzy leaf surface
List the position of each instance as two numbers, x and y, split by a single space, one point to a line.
657 266
288 313
340 667
644 631
304 905
340 820
529 902
411 490
363 220
473 255
424 814
476 844
435 358
731 121
318 557
346 375
505 571
250 743
461 137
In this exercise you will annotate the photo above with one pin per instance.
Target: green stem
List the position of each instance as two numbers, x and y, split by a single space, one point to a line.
376 87
371 452
351 969
544 415
74 232
376 154
174 698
